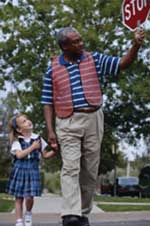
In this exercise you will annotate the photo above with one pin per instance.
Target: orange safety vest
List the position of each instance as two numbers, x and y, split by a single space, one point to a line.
62 89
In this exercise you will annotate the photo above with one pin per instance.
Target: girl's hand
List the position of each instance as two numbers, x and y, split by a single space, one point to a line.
54 146
36 145
48 154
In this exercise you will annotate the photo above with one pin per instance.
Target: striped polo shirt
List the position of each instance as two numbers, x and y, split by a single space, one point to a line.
105 65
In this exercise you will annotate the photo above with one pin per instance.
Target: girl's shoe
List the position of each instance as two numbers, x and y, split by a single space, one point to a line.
28 220
19 224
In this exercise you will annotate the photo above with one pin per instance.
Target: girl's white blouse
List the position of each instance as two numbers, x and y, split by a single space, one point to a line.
17 146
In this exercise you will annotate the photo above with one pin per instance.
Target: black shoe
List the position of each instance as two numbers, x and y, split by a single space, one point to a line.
84 221
71 220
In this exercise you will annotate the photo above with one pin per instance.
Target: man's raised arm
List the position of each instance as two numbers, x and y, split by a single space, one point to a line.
131 55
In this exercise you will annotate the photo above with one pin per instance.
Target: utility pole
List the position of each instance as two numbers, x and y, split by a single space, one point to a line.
128 168
115 168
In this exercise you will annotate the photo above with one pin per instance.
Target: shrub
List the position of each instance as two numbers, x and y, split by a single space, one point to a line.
3 184
42 174
52 182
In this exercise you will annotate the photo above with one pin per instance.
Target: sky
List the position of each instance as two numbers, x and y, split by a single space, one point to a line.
131 151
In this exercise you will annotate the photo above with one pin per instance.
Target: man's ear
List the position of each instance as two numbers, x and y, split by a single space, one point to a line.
64 46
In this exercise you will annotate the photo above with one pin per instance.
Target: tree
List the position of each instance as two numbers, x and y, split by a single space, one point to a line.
29 41
5 162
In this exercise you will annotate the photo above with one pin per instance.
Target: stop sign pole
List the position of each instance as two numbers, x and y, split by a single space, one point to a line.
135 13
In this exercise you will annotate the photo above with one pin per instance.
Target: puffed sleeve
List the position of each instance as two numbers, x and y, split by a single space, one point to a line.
15 146
43 144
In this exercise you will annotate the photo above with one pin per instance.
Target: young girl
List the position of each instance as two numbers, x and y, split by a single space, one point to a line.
24 182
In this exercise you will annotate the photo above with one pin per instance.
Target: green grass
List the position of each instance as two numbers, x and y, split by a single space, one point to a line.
6 205
120 207
6 196
123 208
121 199
7 202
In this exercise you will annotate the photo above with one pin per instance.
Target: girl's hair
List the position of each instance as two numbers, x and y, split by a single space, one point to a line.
12 124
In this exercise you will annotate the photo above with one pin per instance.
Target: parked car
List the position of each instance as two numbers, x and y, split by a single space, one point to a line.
106 189
127 186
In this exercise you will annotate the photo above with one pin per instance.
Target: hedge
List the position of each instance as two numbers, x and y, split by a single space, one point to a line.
3 184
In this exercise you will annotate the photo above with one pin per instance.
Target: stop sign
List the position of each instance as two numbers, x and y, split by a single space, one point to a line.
135 12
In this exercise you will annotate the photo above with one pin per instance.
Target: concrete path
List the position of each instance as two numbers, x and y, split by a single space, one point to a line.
50 203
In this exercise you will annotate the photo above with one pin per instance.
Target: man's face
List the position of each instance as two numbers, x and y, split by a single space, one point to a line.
74 44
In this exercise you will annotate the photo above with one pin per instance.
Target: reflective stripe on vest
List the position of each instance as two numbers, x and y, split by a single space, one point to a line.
62 87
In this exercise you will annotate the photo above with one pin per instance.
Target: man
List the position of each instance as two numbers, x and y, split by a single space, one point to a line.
71 90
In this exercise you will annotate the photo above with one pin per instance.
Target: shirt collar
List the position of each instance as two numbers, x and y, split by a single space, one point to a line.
64 62
33 136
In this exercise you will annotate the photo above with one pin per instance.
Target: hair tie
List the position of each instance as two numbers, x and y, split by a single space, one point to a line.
14 123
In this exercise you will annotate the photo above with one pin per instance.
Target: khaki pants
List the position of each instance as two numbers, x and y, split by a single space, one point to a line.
80 139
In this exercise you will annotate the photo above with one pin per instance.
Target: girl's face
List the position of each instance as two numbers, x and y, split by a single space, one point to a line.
24 124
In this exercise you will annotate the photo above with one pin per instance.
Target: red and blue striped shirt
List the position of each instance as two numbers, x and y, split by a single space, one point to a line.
105 65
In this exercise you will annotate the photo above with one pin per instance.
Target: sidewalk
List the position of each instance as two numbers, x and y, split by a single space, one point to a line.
53 204
47 210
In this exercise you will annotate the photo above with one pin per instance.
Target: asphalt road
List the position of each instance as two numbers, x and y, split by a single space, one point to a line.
118 223
46 212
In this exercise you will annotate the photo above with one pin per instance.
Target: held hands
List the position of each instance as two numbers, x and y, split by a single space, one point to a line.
52 140
139 36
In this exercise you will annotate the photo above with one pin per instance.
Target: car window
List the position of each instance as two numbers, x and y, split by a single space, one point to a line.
128 181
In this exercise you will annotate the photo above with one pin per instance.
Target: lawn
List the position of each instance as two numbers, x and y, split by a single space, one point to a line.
6 203
121 199
123 208
109 204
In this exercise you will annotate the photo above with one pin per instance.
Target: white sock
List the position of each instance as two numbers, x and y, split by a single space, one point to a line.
19 220
29 213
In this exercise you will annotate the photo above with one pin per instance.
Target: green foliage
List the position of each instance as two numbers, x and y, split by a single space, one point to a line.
5 157
144 177
53 164
42 175
5 163
52 182
3 184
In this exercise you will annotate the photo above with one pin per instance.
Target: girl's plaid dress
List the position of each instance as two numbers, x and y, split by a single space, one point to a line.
24 178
